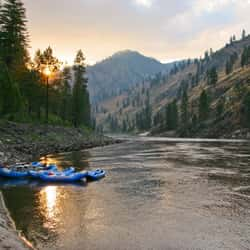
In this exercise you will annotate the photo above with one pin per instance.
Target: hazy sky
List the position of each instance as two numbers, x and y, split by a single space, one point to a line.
164 29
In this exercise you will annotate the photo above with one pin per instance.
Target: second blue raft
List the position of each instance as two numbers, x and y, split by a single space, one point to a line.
61 177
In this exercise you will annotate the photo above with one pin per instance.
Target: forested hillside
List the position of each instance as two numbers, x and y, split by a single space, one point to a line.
119 72
209 96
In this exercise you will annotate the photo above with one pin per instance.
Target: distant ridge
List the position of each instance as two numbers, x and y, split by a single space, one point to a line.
219 79
120 71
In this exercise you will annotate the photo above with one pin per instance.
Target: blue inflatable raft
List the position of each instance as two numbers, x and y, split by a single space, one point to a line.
37 174
5 172
21 170
37 164
96 175
40 165
61 177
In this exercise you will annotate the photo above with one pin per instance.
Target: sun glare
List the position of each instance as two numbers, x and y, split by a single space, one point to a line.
47 71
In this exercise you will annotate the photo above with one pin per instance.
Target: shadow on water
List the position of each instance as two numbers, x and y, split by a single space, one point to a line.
155 191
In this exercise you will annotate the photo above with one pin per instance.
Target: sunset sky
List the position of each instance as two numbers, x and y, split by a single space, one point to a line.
164 29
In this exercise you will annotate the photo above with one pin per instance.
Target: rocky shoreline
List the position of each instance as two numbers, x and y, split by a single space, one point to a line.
27 142
10 239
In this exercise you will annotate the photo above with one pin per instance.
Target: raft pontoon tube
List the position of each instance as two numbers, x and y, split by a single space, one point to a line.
96 175
37 174
21 170
43 166
6 172
61 177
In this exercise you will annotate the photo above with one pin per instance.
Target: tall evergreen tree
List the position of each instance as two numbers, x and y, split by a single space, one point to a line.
194 123
246 110
203 106
184 109
169 124
172 116
245 57
243 36
231 40
220 108
206 56
230 63
42 61
148 113
229 67
80 99
47 59
10 97
66 95
175 114
32 89
212 76
14 36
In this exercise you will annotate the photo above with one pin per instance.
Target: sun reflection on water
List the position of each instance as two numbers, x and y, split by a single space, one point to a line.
49 204
51 195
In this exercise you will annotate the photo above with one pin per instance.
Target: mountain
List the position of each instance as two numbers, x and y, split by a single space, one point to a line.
212 94
119 72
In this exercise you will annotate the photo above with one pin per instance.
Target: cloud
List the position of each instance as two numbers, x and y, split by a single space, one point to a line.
159 28
145 3
201 6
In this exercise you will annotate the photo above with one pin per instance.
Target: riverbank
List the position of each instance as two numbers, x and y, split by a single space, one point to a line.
27 142
9 237
212 133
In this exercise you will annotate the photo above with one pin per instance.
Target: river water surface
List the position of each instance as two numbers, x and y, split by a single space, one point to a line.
158 194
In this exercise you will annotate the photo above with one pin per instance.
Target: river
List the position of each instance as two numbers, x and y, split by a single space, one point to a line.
158 194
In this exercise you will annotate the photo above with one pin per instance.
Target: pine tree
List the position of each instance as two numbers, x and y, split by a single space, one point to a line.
211 52
32 89
212 76
124 126
184 110
194 123
243 34
10 96
175 114
172 116
229 67
148 113
206 56
14 36
245 57
220 108
203 106
66 95
231 40
42 61
47 59
169 124
246 110
80 99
